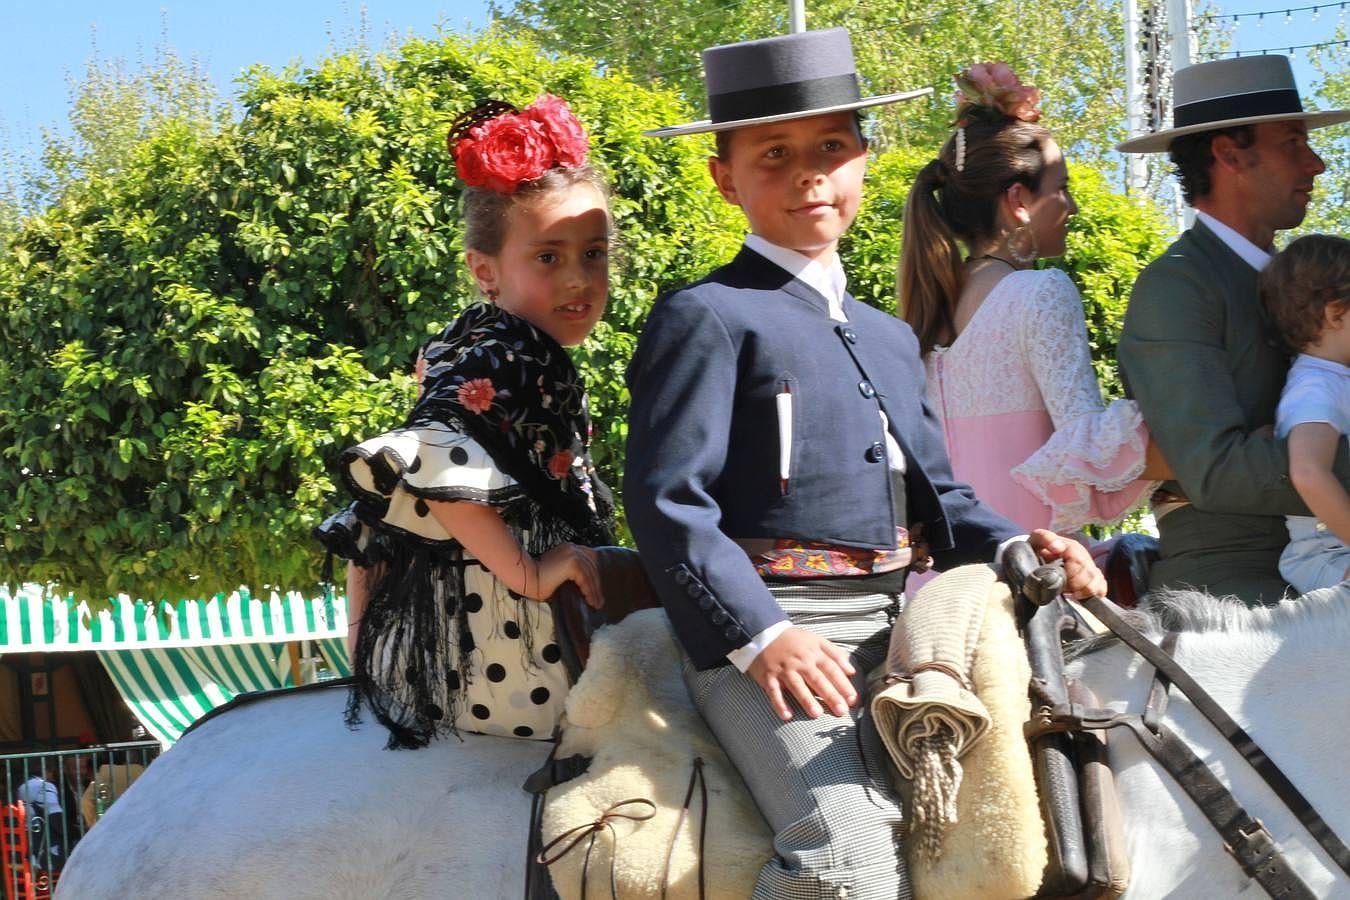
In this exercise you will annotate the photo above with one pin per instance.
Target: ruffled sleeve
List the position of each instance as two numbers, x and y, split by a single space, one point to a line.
1088 471
393 476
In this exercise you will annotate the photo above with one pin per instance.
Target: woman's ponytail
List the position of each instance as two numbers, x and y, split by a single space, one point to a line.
931 273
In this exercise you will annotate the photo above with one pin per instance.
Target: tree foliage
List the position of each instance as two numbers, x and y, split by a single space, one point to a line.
189 339
1330 208
192 332
899 44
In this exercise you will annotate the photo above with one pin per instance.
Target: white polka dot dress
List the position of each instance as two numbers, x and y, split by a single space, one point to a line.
512 681
516 688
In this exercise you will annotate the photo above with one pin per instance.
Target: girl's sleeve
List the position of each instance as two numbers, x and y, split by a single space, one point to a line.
1088 471
393 475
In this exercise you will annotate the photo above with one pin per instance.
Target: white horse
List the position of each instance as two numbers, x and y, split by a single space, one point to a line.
1281 673
276 799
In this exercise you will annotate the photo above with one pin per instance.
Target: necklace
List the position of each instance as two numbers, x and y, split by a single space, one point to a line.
991 256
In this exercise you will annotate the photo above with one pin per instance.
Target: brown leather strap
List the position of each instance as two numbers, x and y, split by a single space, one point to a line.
695 777
1264 766
588 833
1244 837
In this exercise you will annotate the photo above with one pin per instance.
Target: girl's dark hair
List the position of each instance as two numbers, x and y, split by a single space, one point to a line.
1193 155
947 208
486 213
1301 280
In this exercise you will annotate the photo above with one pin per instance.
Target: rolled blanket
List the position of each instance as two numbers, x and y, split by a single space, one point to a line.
923 704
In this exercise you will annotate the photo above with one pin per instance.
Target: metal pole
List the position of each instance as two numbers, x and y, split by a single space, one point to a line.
1179 22
796 15
1136 168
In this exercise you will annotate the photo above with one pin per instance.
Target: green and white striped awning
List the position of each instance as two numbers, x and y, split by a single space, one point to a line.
32 621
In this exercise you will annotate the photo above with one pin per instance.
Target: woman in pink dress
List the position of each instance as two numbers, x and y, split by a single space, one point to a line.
1006 345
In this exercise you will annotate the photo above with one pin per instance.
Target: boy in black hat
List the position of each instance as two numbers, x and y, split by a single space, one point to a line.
779 457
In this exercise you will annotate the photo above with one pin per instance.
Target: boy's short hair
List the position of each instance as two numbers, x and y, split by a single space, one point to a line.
723 138
1301 280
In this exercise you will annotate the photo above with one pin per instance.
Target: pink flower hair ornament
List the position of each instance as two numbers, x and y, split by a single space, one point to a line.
986 88
499 147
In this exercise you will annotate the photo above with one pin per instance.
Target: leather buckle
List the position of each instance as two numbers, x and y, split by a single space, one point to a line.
1253 846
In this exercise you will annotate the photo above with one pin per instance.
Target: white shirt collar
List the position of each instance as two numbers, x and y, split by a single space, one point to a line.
1251 254
1307 360
829 281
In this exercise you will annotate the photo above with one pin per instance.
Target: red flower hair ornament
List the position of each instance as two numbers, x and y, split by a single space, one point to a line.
499 148
995 87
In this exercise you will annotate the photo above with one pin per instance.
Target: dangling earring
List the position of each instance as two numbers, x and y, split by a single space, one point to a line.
1022 245
492 295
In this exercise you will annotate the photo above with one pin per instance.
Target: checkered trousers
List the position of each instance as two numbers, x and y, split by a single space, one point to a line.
821 784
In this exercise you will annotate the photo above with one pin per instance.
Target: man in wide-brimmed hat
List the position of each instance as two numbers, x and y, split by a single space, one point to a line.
1197 351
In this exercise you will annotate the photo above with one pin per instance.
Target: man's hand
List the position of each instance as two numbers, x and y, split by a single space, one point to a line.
809 669
1082 578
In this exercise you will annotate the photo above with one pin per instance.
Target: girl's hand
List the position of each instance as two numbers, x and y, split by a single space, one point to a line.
487 539
569 562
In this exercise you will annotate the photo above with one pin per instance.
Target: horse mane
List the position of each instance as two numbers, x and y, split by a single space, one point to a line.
1195 611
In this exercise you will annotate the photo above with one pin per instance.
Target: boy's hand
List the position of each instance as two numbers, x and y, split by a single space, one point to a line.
809 669
1082 578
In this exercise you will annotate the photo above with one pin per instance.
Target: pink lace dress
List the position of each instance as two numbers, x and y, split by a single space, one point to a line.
1022 411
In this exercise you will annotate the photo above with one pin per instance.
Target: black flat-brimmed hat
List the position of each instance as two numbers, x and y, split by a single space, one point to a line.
1228 92
808 73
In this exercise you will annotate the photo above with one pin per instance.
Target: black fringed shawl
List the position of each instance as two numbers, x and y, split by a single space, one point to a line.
497 379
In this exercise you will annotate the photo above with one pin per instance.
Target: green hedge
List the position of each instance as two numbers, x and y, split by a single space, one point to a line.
186 344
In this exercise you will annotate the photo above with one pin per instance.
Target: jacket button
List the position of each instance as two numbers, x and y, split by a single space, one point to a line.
850 335
865 388
682 576
694 589
876 453
705 602
732 632
719 617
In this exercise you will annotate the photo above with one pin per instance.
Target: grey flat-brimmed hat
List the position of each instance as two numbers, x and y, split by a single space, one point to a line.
809 73
1228 92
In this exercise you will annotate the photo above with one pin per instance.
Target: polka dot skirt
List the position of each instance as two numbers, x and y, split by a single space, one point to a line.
512 691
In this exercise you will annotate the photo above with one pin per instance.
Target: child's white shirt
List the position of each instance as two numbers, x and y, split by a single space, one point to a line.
1317 390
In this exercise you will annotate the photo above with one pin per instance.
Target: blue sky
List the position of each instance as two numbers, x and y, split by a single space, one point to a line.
43 44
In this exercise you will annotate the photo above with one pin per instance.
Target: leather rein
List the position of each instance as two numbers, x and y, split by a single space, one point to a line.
1244 836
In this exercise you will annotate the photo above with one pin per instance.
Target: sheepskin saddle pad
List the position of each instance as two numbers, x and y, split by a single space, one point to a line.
950 703
631 714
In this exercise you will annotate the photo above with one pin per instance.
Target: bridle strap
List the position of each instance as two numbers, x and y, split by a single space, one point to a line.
1167 668
1243 836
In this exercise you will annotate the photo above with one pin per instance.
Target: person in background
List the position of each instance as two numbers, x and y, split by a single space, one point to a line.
1197 350
1306 289
1005 344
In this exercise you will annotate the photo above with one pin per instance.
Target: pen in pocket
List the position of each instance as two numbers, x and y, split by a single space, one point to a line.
784 403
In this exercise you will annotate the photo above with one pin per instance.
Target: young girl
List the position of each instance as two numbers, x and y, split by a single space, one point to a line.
485 501
1306 288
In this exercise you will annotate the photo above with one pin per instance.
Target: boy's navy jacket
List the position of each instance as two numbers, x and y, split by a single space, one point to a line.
703 458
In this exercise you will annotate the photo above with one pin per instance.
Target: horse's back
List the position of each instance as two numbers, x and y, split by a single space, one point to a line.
1278 671
277 798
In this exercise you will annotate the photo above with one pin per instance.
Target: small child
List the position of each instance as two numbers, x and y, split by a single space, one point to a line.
485 501
1306 288
779 454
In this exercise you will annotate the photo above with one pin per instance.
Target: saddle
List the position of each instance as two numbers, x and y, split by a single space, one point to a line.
1079 806
626 589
